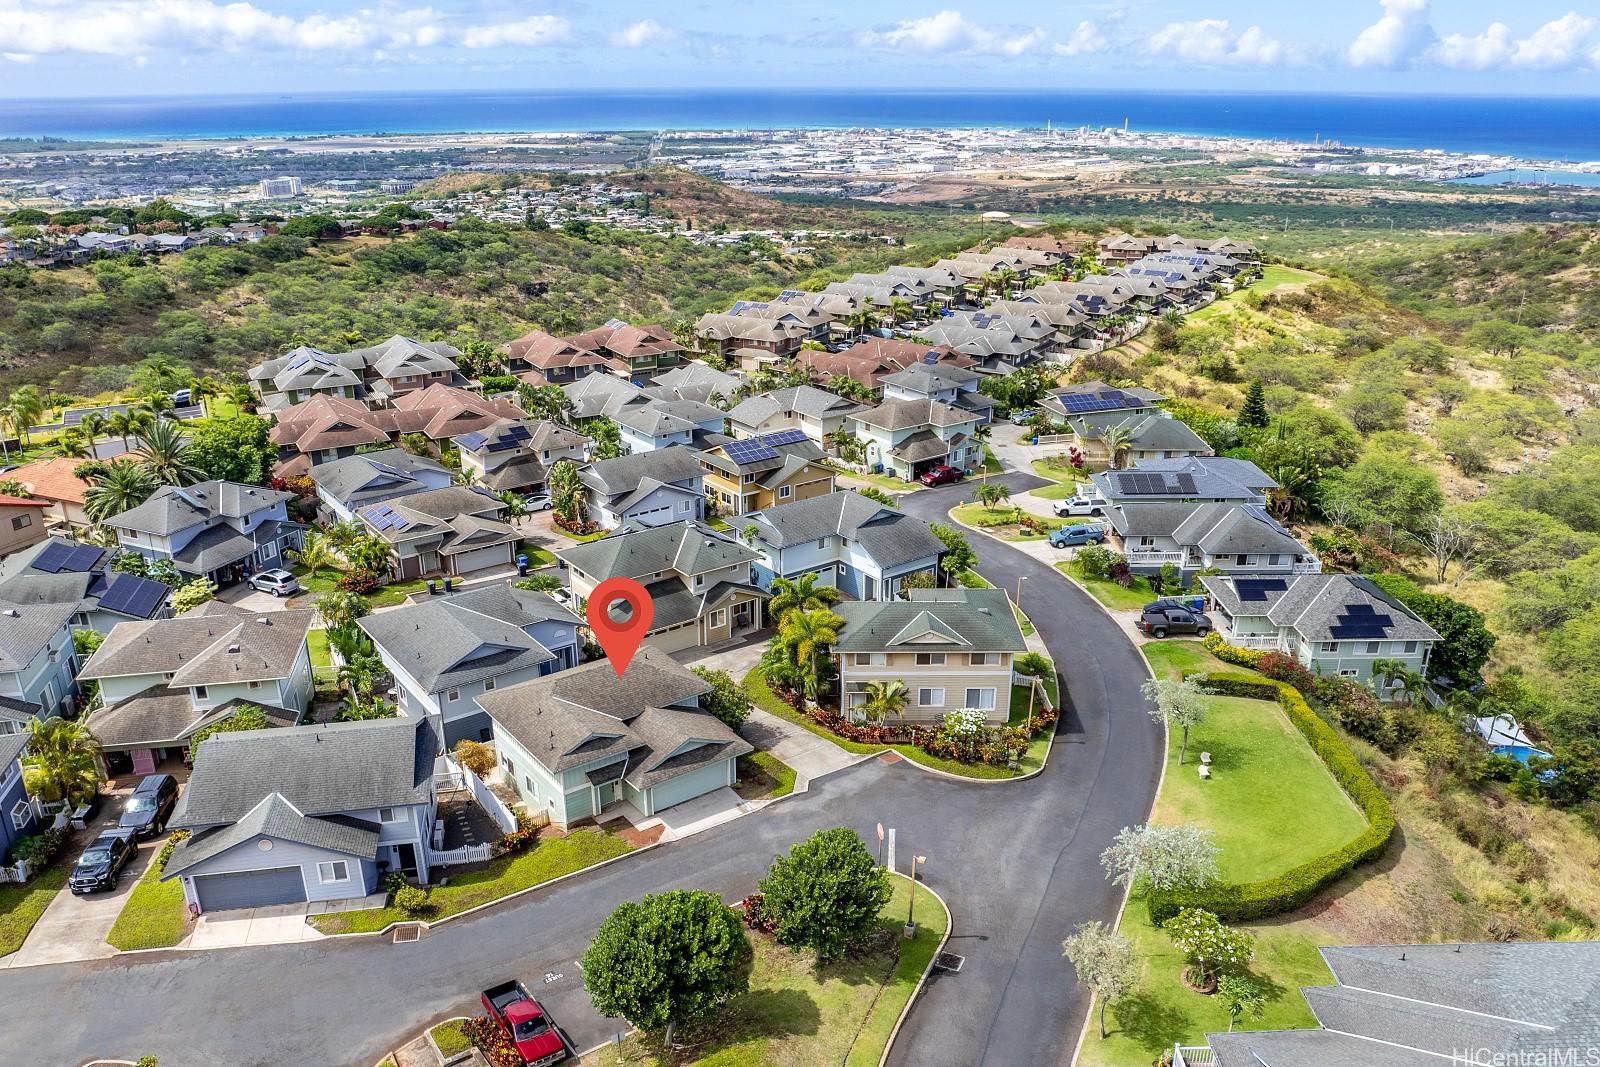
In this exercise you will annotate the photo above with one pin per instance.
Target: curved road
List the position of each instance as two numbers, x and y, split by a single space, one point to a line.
1018 864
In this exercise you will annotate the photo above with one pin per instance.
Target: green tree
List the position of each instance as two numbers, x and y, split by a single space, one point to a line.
667 959
566 492
1105 963
163 452
191 595
808 635
1167 857
886 697
727 701
958 556
316 553
61 760
1254 413
1117 440
1176 702
1210 946
339 609
826 894
244 717
1384 487
119 487
1465 640
607 437
235 449
802 593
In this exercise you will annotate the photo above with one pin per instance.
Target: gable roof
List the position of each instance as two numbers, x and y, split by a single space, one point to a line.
975 620
52 479
377 475
623 474
805 400
686 547
1318 607
172 508
160 716
322 770
276 817
26 630
204 649
58 570
889 536
903 414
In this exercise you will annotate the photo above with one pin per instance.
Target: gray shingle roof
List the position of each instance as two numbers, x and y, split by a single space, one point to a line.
161 716
459 640
685 547
971 620
277 818
373 475
890 537
170 508
1146 431
322 770
900 414
26 629
800 399
204 649
1312 604
1216 477
11 747
622 475
930 377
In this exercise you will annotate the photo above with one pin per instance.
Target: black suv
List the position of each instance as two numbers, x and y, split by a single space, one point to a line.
146 812
102 861
1159 620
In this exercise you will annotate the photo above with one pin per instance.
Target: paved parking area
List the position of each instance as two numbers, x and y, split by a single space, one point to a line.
281 924
702 813
75 928
811 755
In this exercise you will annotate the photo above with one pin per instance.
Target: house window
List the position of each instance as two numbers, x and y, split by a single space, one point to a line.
22 522
1328 646
871 659
822 542
930 659
20 814
685 506
1244 560
1411 646
858 699
984 659
199 692
391 815
1274 560
726 499
528 786
1372 648
453 695
699 580
719 618
930 698
333 871
982 699
488 684
1348 672
785 492
255 685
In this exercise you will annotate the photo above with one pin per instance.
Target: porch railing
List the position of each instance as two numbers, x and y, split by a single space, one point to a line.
1260 642
1193 1056
1151 557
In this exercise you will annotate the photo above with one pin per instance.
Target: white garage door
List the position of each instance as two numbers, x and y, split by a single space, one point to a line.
250 889
654 517
479 558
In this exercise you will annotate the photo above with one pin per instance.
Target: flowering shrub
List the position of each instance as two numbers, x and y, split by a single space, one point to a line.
755 913
1282 668
1209 946
572 526
1239 657
358 582
493 1042
519 840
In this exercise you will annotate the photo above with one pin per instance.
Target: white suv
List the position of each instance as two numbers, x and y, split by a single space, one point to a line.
1077 505
278 582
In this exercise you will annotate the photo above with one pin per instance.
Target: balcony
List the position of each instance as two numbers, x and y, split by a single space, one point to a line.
1259 642
1193 1056
1150 557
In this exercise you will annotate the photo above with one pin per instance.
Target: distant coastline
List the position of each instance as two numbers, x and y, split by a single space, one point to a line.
1551 129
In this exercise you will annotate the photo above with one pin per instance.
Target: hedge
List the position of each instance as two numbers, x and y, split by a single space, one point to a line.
1239 657
1294 888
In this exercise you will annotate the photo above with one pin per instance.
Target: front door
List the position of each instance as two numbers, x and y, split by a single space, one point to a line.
408 856
743 617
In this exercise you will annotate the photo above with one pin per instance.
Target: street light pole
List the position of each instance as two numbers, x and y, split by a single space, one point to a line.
1020 579
911 909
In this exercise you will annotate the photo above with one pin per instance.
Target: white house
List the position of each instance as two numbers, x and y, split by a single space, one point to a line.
647 488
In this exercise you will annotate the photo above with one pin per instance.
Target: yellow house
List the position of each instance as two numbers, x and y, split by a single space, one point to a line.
762 472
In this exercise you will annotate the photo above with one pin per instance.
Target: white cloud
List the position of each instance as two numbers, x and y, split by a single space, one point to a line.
1212 42
531 31
135 28
1557 45
950 32
642 33
1400 36
1085 40
1491 48
18 57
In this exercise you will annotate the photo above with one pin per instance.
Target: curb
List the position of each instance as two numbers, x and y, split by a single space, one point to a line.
905 1012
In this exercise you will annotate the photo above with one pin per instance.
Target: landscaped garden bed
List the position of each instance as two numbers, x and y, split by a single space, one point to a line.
1008 522
763 776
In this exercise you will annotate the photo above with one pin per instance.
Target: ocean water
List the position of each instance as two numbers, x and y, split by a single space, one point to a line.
1552 128
1533 176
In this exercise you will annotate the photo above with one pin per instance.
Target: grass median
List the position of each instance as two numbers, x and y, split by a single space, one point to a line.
153 917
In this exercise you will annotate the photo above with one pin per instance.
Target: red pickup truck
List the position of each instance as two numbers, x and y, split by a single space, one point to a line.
514 1010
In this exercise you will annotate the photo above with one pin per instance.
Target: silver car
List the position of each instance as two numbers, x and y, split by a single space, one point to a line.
278 582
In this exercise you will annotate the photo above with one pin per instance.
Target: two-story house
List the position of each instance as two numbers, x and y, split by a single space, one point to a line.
390 368
953 648
757 472
645 427
955 386
443 651
21 523
59 571
1334 624
1241 539
326 428
516 454
646 488
307 813
38 664
871 359
346 485
455 530
17 815
862 548
601 395
752 344
51 482
579 744
212 529
699 581
164 680
1197 479
541 359
695 381
644 351
801 407
1099 399
1148 437
906 437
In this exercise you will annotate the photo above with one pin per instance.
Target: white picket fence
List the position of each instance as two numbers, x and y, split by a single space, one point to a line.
456 856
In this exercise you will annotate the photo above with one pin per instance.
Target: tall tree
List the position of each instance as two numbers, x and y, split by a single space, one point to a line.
1105 962
61 760
826 894
238 448
808 635
1176 702
165 454
1169 857
1254 413
802 593
118 488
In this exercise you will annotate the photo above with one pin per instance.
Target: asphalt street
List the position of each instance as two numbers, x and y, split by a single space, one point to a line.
1017 863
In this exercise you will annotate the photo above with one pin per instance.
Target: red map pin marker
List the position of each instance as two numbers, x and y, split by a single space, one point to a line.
619 613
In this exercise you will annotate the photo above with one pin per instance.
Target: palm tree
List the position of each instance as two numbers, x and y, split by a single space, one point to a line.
163 451
1387 670
899 309
990 495
1411 687
123 424
1003 279
121 487
981 434
154 406
343 533
25 409
202 389
315 553
515 508
94 426
7 426
803 594
61 760
71 444
806 634
887 697
861 321
1117 441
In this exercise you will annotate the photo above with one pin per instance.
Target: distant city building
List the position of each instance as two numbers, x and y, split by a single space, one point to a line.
273 188
394 185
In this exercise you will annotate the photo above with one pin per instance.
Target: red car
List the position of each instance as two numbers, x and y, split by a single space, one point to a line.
514 1010
942 475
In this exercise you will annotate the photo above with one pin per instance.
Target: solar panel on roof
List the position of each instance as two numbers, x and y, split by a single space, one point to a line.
753 450
1256 589
131 595
83 558
615 324
55 554
473 441
784 437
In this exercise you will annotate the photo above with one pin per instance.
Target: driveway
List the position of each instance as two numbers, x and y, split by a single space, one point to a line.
811 755
1018 863
75 928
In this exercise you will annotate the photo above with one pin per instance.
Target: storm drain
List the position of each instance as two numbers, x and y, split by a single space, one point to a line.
407 933
949 962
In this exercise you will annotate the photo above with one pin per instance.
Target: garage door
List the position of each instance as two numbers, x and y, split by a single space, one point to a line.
653 517
250 889
479 558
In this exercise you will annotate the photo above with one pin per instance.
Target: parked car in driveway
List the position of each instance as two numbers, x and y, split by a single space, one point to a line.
1022 415
942 475
523 1020
1159 620
1082 533
98 867
146 812
1075 506
278 582
538 500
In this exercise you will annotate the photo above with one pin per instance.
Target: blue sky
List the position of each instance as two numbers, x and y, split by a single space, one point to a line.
135 47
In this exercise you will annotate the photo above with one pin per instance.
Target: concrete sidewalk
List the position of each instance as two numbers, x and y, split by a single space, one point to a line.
280 924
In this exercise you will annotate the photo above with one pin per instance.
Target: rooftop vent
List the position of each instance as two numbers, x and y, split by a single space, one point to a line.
12 613
234 648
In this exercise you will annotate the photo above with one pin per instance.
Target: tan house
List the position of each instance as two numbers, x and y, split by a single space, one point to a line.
539 358
952 648
517 454
325 428
21 523
700 581
759 472
51 482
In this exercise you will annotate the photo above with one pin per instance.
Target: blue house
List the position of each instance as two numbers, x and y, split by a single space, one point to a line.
17 816
38 664
217 530
862 548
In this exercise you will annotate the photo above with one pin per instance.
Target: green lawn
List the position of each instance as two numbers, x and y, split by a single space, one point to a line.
581 538
1174 659
550 858
763 776
384 597
1001 521
451 1037
21 905
760 694
1109 593
1274 276
883 481
537 557
1059 491
321 654
798 1015
153 917
990 463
